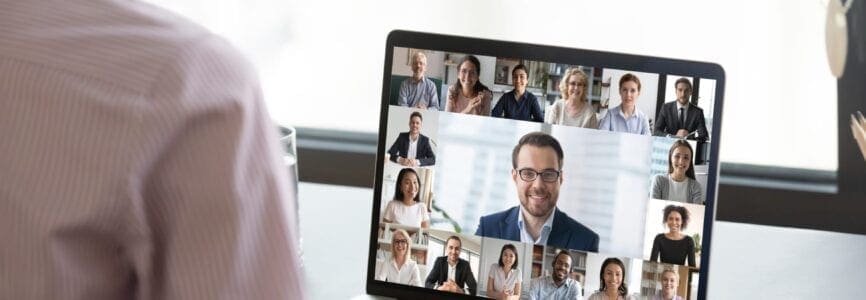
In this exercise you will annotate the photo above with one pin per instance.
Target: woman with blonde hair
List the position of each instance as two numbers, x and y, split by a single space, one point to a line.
400 268
572 109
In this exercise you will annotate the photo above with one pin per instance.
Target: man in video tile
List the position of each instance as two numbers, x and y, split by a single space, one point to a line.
537 173
450 272
557 285
419 91
681 118
412 149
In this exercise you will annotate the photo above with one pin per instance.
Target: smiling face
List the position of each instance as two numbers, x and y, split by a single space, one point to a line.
409 186
612 277
414 125
669 283
399 244
575 87
468 75
561 267
537 197
452 250
674 221
508 257
681 159
519 79
629 93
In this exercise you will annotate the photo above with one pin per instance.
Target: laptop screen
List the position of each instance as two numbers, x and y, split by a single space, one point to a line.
510 170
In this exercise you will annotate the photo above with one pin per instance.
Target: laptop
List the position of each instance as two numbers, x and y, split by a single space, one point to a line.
517 171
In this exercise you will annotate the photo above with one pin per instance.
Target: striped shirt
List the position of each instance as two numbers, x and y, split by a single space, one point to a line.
138 161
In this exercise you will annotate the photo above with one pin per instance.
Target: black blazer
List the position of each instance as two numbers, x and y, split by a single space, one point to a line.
462 275
668 122
424 153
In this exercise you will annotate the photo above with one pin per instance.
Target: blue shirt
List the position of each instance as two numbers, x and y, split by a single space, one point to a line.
544 288
615 121
525 237
526 109
422 91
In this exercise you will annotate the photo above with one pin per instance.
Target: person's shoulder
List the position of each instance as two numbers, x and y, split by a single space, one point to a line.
695 107
659 237
573 225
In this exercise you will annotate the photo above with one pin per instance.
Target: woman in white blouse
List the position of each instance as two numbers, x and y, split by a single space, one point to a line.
407 208
680 183
505 277
400 268
573 109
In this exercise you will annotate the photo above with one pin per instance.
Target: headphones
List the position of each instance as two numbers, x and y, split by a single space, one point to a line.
836 35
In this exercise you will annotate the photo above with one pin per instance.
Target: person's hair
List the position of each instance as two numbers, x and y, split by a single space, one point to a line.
581 77
398 192
453 237
683 80
623 287
690 173
562 252
537 139
408 241
417 55
416 114
513 250
684 214
479 87
671 271
519 67
629 77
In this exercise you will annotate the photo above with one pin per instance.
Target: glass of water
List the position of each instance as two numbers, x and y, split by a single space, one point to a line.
288 139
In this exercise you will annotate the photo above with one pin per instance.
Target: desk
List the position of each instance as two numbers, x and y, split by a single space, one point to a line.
749 261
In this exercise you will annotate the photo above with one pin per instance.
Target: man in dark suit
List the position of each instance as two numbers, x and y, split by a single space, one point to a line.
537 173
412 149
681 118
450 272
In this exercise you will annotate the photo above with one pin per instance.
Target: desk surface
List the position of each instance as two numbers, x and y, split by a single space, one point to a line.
748 261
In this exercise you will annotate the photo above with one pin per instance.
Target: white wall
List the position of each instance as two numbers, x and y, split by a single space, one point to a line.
649 83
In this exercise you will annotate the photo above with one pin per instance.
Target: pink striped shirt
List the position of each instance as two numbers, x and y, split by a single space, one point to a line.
137 160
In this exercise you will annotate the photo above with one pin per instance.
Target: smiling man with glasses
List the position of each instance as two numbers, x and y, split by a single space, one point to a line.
537 174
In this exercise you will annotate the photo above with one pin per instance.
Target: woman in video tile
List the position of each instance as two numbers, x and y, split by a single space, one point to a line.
626 117
573 109
674 247
505 277
407 208
670 283
613 286
468 95
400 268
680 183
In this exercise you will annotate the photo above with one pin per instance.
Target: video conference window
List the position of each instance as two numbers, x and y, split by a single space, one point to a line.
519 162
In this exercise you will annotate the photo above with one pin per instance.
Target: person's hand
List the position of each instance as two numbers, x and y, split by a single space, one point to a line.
421 105
858 128
682 133
449 286
405 161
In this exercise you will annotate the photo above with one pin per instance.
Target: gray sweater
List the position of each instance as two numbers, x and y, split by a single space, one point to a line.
661 189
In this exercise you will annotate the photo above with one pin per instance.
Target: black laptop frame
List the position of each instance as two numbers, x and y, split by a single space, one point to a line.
478 46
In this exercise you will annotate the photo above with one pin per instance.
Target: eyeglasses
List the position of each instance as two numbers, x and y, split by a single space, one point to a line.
547 175
400 241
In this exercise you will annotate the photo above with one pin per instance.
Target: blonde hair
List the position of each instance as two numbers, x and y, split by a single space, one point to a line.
408 241
581 78
676 275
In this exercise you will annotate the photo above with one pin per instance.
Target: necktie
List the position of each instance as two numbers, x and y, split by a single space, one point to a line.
682 119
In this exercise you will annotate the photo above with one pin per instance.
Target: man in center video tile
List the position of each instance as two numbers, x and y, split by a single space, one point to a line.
537 174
